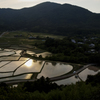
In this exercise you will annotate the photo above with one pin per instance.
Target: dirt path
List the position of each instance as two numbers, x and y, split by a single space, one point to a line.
2 34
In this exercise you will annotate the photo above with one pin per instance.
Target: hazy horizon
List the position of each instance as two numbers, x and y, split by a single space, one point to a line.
92 5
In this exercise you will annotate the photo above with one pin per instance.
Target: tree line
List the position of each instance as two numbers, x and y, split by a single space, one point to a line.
65 50
43 89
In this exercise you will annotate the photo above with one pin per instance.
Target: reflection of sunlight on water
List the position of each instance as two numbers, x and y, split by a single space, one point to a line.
29 63
83 75
70 80
28 76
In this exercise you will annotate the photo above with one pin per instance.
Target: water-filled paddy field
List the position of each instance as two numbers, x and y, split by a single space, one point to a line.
15 67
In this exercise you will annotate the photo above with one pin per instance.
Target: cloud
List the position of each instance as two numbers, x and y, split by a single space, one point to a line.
17 4
8 3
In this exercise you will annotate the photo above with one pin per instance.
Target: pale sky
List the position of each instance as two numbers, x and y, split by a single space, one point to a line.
92 5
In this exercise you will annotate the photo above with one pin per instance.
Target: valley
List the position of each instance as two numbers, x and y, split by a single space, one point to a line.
25 49
50 51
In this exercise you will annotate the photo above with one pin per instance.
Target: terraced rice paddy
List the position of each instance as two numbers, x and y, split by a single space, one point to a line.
15 67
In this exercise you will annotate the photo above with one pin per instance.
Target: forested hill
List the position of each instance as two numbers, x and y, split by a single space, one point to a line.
50 17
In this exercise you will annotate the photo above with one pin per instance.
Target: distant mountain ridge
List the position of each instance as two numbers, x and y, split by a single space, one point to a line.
49 17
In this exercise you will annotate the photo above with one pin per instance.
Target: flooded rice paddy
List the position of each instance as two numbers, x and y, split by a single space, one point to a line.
15 67
53 69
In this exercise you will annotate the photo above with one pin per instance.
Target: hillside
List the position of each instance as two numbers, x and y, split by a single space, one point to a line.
50 17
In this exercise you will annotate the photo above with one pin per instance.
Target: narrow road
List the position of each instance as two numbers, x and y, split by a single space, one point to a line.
19 81
69 75
2 34
51 79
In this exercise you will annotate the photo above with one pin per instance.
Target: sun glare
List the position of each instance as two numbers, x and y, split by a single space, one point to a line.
28 76
29 63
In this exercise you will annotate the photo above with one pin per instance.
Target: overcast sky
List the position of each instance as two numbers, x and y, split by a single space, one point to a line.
92 5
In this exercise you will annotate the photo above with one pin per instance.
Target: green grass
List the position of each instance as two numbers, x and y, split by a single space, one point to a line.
9 38
28 34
